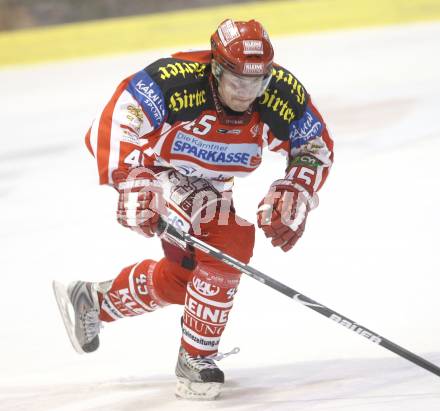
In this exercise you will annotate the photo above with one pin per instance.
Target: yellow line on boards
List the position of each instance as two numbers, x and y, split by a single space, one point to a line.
182 29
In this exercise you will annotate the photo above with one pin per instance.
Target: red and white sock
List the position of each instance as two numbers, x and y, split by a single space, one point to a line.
208 301
132 293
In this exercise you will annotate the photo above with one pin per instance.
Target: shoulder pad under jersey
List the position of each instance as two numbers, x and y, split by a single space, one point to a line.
184 85
283 102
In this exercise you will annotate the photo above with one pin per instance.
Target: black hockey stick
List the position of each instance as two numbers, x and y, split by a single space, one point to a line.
172 234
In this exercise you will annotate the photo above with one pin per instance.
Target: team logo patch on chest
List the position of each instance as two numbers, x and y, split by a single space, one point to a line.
215 153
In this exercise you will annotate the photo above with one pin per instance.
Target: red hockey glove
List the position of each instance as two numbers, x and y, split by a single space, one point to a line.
282 214
140 201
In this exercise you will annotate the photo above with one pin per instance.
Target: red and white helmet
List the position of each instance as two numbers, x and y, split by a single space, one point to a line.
244 48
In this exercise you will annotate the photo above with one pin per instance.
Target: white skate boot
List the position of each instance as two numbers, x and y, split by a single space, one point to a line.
79 308
198 378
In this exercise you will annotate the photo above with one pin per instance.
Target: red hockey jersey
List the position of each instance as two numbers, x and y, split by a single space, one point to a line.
169 114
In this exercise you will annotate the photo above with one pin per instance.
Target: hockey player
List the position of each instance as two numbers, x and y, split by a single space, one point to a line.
170 141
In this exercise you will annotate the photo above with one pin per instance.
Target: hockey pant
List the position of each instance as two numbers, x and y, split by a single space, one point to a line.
202 284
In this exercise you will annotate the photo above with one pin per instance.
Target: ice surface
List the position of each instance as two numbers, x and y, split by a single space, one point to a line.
370 250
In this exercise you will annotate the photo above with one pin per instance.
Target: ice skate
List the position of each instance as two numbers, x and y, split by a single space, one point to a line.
198 378
79 308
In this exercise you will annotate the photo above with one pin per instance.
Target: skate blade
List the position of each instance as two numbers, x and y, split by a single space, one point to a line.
197 390
66 310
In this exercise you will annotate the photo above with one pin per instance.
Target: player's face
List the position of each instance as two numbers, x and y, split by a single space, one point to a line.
239 92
